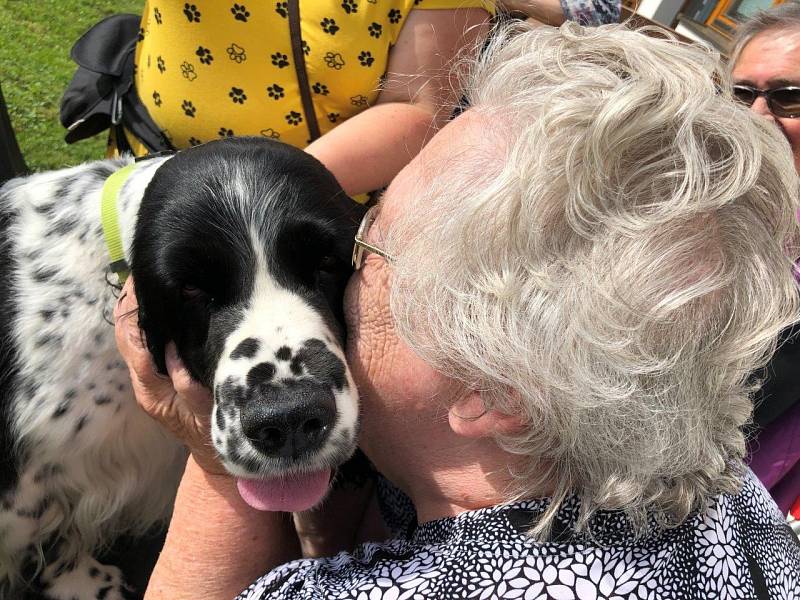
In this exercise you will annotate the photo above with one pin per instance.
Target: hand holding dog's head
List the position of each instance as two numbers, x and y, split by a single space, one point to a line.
176 401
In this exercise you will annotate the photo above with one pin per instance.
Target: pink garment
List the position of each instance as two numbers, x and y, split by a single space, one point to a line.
775 458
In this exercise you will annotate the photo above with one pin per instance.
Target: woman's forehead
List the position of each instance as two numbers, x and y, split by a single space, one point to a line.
454 140
771 58
399 193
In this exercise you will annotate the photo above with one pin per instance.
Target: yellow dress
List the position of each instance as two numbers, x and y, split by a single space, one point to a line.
211 68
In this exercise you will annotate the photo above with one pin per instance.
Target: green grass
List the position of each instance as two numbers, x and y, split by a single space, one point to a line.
35 68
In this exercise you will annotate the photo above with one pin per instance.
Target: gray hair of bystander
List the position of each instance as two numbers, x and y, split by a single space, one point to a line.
782 17
611 263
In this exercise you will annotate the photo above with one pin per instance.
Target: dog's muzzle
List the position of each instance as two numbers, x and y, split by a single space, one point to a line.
289 420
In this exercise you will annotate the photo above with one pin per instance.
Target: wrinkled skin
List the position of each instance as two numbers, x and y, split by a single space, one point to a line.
179 403
405 431
403 398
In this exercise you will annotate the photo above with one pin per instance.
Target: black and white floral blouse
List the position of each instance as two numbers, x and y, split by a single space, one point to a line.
737 547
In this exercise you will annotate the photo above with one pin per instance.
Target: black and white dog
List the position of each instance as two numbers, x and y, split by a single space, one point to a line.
240 254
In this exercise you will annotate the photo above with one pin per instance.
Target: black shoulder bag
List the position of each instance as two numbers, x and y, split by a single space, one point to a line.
101 94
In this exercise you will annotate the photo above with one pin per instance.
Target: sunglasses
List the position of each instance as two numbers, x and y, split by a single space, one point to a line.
782 102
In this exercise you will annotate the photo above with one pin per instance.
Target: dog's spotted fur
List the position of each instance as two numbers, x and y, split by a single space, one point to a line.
239 252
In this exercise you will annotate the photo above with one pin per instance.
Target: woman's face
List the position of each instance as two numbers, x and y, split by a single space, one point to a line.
772 59
402 399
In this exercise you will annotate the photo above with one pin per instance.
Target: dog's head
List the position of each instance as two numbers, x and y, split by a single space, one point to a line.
240 256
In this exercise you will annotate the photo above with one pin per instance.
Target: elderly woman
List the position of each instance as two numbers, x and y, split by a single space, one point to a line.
554 314
765 64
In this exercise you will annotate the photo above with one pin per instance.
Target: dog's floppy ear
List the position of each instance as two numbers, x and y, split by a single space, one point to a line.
152 322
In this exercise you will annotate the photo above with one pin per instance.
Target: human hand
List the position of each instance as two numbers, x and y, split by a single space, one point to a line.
180 404
539 12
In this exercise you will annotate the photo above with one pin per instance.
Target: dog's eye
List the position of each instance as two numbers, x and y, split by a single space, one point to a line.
192 292
328 263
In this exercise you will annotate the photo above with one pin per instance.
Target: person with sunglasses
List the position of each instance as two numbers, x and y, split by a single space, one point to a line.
765 68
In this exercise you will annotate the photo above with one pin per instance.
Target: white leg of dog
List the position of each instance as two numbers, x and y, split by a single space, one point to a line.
87 579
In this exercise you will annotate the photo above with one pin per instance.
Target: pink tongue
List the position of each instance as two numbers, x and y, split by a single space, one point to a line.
291 494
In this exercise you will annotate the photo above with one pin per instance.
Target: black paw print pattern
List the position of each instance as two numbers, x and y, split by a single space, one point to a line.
329 26
349 6
237 95
161 65
294 118
275 91
193 141
280 60
240 12
157 15
365 58
270 133
375 29
191 12
204 54
333 117
359 100
140 35
321 89
306 48
157 99
282 8
225 132
395 16
188 108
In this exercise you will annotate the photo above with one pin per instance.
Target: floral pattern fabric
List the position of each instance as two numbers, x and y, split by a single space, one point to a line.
591 12
737 547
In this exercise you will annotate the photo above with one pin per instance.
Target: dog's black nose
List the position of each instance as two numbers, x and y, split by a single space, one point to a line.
290 420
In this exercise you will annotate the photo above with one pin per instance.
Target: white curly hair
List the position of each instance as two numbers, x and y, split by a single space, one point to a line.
611 262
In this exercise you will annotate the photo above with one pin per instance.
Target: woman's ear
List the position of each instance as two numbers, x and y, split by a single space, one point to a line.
469 417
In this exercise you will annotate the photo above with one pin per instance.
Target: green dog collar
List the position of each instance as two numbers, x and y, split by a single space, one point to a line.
110 221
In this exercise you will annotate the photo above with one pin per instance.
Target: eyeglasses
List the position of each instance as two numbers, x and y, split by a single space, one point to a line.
782 102
360 246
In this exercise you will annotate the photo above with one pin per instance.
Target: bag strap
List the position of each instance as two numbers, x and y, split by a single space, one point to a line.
300 69
136 118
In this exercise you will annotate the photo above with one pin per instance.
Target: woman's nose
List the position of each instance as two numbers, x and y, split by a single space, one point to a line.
760 107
